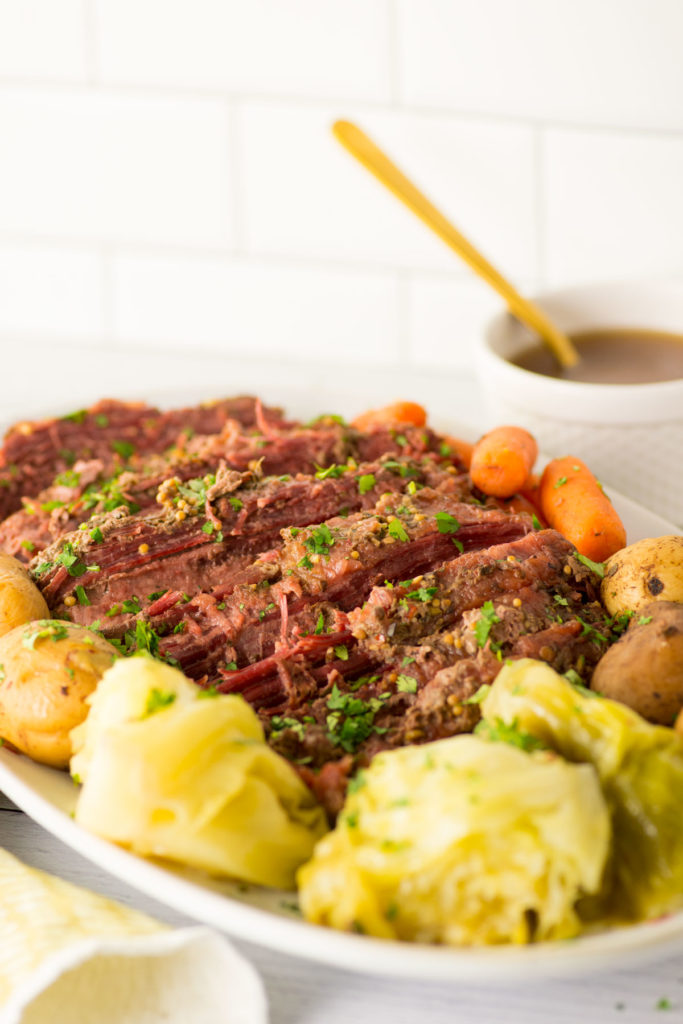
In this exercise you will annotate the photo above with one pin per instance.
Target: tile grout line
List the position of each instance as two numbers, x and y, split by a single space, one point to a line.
174 93
160 250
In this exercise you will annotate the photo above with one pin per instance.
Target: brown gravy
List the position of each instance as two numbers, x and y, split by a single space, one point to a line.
613 356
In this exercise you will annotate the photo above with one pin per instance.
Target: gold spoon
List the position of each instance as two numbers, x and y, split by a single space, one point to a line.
378 163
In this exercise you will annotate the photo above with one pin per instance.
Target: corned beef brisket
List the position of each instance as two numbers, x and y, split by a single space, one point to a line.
353 585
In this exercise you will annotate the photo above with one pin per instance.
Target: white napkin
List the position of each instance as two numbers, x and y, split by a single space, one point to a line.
69 955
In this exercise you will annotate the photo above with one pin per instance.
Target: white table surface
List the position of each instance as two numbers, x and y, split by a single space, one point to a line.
303 993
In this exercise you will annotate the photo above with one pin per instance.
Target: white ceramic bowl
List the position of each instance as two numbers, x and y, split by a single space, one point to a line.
631 435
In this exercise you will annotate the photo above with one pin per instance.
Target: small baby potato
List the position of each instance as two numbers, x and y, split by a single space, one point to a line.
47 669
649 570
20 599
644 669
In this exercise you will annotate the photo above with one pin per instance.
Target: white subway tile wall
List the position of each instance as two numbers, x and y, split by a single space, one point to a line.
169 185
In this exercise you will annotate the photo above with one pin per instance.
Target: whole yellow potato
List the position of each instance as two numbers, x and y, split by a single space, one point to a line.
47 669
649 570
644 669
20 599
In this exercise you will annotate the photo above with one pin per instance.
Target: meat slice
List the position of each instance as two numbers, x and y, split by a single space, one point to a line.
339 562
85 490
34 453
203 533
510 601
435 601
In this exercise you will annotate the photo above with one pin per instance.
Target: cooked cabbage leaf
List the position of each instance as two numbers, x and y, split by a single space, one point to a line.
640 767
170 774
462 842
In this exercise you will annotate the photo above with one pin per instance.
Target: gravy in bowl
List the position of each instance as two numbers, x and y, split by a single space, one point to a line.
613 356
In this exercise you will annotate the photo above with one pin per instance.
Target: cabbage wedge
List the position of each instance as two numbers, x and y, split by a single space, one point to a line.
169 771
461 842
640 767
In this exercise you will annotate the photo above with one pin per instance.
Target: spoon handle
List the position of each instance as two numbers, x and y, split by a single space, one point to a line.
385 170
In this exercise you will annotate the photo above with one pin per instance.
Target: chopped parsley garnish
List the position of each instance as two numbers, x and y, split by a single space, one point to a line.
644 619
444 449
573 677
398 530
366 483
50 506
69 559
500 732
560 482
342 652
357 782
423 594
597 567
558 599
264 611
536 522
49 629
485 622
101 420
156 594
236 504
279 724
620 622
69 478
157 700
207 692
400 467
143 639
350 720
231 666
331 471
320 625
330 417
81 595
591 632
195 491
28 545
76 417
123 448
320 540
406 684
180 627
481 694
446 523
96 535
131 606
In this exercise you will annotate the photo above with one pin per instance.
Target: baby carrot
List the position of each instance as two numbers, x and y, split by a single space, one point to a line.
574 503
392 416
502 461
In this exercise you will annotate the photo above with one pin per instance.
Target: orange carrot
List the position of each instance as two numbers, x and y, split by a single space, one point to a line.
520 503
392 416
574 503
460 451
531 492
502 461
